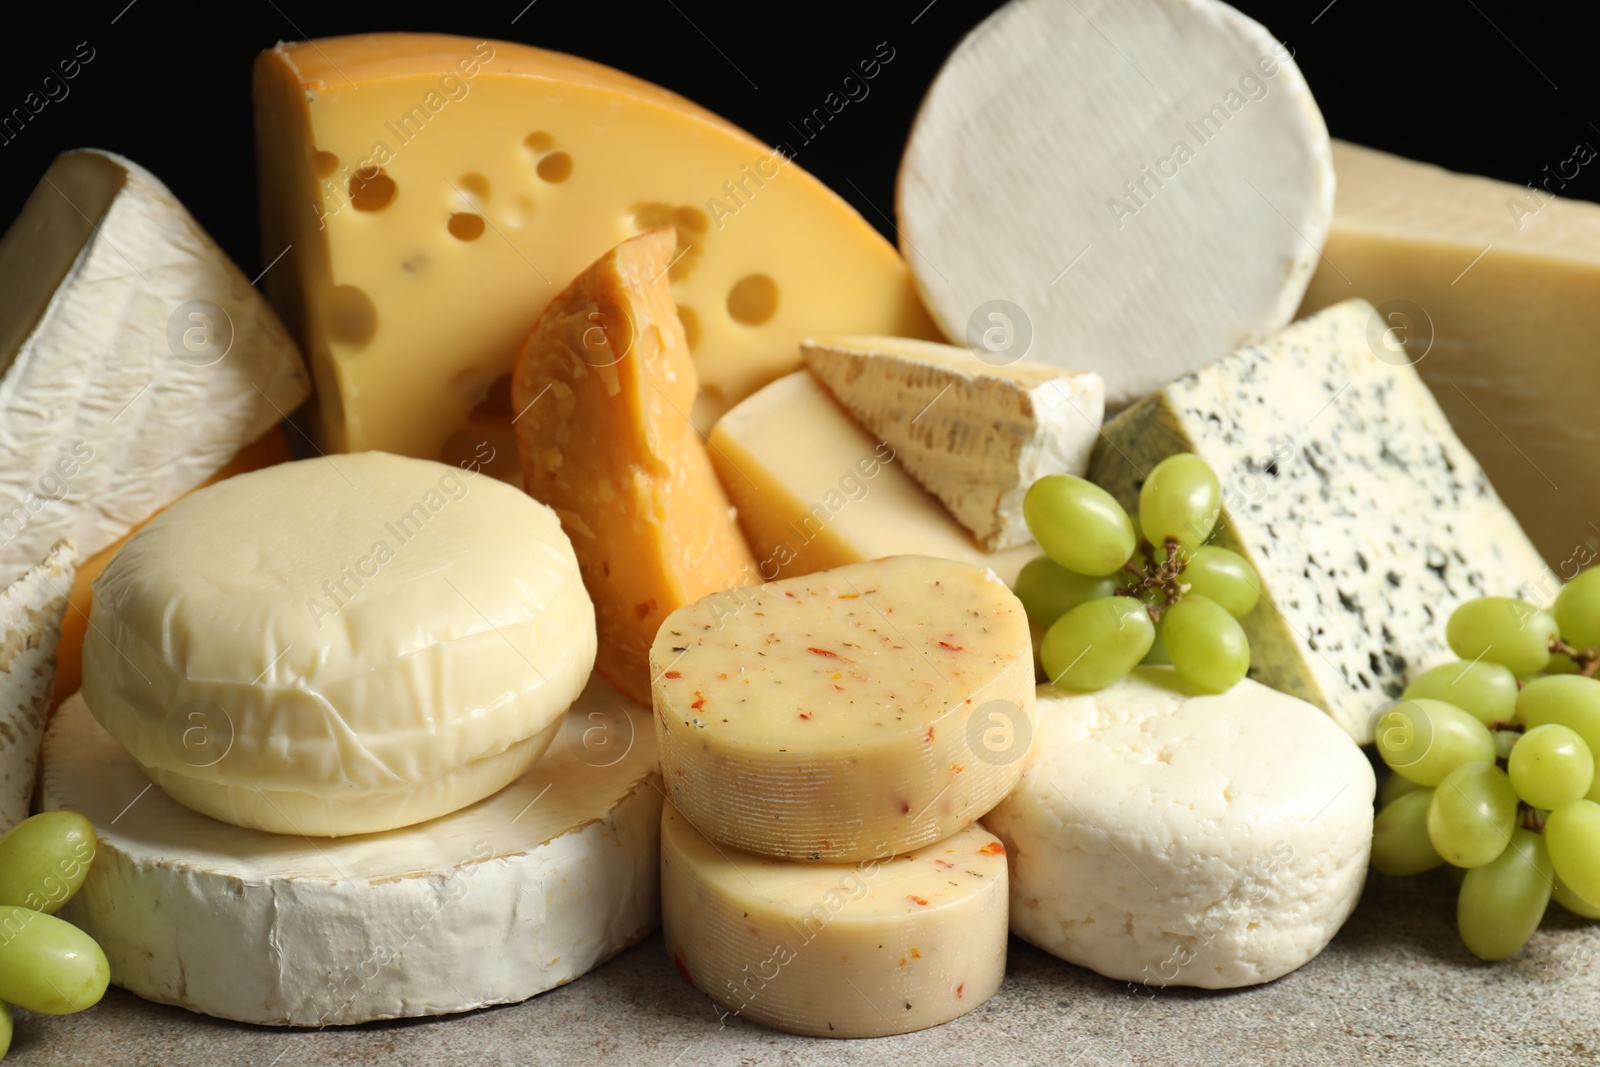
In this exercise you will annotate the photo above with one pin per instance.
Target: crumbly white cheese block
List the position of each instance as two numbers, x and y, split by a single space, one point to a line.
1346 488
1171 839
1135 187
135 358
973 433
519 893
340 645
31 610
884 946
861 711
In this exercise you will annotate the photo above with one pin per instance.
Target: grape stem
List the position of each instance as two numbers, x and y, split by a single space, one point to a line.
1161 577
1588 662
1529 817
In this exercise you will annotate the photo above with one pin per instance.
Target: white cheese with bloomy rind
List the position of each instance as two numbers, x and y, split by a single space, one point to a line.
1134 187
521 892
31 610
1169 838
1345 487
882 705
135 359
974 434
341 645
884 946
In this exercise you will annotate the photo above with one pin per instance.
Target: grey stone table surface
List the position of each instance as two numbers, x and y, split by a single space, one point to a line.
1395 987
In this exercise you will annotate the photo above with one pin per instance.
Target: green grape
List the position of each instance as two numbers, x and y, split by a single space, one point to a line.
1400 844
5 1029
1573 833
1079 524
1486 690
1394 787
1225 577
1569 699
1573 902
1472 815
1048 590
1181 499
44 860
1512 633
1504 742
1157 656
1577 610
1096 643
1207 646
47 964
1551 766
1502 901
1561 663
1424 740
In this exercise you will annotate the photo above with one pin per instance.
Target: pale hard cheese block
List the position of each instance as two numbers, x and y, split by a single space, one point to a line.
1133 187
135 358
31 610
861 711
1492 291
976 434
1345 487
884 946
518 893
815 490
341 645
411 176
1171 839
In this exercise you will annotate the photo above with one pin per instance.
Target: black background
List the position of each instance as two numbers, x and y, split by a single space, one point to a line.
1498 87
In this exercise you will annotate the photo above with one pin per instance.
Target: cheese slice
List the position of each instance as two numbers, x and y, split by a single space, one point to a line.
519 893
882 705
815 490
31 609
973 433
1345 487
1491 289
613 451
135 359
432 194
884 946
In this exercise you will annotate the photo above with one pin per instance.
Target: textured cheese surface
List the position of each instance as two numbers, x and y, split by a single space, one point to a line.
884 946
135 358
1171 839
607 384
1496 290
974 434
1176 176
842 713
1346 488
340 645
518 893
31 609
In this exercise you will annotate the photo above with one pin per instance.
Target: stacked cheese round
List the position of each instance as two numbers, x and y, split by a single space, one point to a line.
342 645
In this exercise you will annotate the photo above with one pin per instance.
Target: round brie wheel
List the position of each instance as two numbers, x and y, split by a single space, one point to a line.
1171 839
519 893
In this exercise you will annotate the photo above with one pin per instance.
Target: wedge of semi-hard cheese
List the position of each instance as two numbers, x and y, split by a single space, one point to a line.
862 711
518 893
816 490
135 359
975 434
884 946
612 450
1491 289
31 609
1135 187
435 193
1168 838
1345 487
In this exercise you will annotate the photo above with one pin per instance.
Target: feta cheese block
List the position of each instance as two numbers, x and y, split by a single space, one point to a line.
342 645
1134 187
1347 490
972 433
31 610
135 358
1493 291
883 946
613 452
815 490
1171 839
516 894
866 710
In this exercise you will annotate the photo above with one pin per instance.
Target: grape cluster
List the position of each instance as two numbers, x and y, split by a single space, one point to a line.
1114 593
1494 766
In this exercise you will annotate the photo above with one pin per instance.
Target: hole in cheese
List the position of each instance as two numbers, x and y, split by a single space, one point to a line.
753 299
465 226
474 185
351 316
555 167
539 141
690 218
323 164
691 327
371 189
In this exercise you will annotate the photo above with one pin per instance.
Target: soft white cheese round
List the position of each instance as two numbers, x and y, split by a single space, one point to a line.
1172 839
341 645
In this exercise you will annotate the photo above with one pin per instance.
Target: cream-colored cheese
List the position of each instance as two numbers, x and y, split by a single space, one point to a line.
31 609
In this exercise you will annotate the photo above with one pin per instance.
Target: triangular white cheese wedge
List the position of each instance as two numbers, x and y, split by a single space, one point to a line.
30 626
